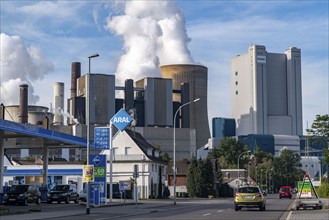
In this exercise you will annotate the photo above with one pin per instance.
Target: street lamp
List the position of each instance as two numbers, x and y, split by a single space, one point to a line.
261 178
174 150
246 152
88 126
266 177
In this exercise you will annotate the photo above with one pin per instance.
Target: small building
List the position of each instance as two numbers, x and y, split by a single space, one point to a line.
129 149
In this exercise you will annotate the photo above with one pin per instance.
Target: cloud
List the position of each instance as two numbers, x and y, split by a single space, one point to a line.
58 9
154 34
20 64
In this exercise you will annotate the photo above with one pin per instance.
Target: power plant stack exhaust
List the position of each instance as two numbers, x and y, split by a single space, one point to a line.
59 103
23 99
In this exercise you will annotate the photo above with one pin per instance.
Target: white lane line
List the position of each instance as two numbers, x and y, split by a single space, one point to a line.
288 217
207 214
220 210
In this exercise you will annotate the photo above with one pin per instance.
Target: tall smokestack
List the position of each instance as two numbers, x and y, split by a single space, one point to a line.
23 103
59 103
75 74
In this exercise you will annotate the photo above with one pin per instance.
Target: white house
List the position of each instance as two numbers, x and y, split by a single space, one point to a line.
130 148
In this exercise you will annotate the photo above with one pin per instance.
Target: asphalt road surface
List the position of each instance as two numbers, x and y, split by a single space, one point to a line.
205 209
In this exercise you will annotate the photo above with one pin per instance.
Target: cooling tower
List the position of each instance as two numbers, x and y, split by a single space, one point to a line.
197 77
58 103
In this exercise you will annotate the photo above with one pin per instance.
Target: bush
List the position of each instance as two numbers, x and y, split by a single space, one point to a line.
323 190
225 190
166 192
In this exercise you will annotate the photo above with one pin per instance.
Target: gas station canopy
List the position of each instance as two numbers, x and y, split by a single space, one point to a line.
23 136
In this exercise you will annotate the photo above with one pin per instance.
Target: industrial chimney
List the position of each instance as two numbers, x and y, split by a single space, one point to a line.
59 103
23 103
75 74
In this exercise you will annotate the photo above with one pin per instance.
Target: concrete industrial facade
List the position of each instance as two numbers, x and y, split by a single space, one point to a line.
266 92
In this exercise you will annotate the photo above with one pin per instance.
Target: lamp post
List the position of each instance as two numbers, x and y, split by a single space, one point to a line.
174 150
248 175
261 178
88 126
239 165
266 177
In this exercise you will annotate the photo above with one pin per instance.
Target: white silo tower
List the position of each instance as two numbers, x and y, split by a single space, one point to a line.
58 103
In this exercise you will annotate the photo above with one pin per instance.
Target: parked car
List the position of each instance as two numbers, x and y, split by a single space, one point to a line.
285 192
249 196
83 195
63 193
22 194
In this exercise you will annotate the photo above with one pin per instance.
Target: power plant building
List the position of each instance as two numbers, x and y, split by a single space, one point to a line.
266 92
102 96
158 104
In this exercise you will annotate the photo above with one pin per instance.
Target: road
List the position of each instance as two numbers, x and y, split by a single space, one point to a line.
206 209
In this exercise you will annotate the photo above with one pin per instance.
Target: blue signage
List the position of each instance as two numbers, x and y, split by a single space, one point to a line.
102 137
95 194
121 120
99 187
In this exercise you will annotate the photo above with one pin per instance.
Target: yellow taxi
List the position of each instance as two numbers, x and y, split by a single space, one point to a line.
250 197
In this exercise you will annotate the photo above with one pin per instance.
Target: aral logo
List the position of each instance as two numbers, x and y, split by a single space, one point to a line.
97 160
121 119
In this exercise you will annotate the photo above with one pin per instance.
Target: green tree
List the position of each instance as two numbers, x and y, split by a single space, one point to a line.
260 165
191 178
287 168
227 153
200 178
208 177
165 157
320 127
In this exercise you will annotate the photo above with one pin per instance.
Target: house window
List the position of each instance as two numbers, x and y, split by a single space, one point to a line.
152 167
127 150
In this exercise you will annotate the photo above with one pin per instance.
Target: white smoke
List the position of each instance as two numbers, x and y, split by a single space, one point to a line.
154 34
20 64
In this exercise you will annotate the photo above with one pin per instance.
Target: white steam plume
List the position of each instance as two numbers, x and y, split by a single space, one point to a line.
20 64
154 34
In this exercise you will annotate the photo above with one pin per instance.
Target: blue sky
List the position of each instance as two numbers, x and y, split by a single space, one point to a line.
52 34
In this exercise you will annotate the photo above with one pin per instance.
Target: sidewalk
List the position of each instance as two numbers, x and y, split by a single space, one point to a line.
142 207
292 214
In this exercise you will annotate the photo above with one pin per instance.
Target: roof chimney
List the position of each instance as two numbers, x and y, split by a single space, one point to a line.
23 103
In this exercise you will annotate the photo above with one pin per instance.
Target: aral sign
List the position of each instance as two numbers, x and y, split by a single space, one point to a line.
121 120
99 163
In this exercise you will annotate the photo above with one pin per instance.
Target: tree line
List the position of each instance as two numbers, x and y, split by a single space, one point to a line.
205 177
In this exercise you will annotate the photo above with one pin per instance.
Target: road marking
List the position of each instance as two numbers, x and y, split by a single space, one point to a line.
288 217
219 210
207 214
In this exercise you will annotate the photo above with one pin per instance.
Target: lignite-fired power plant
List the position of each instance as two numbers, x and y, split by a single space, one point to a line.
152 101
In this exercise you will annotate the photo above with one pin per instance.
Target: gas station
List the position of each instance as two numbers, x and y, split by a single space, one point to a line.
23 136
